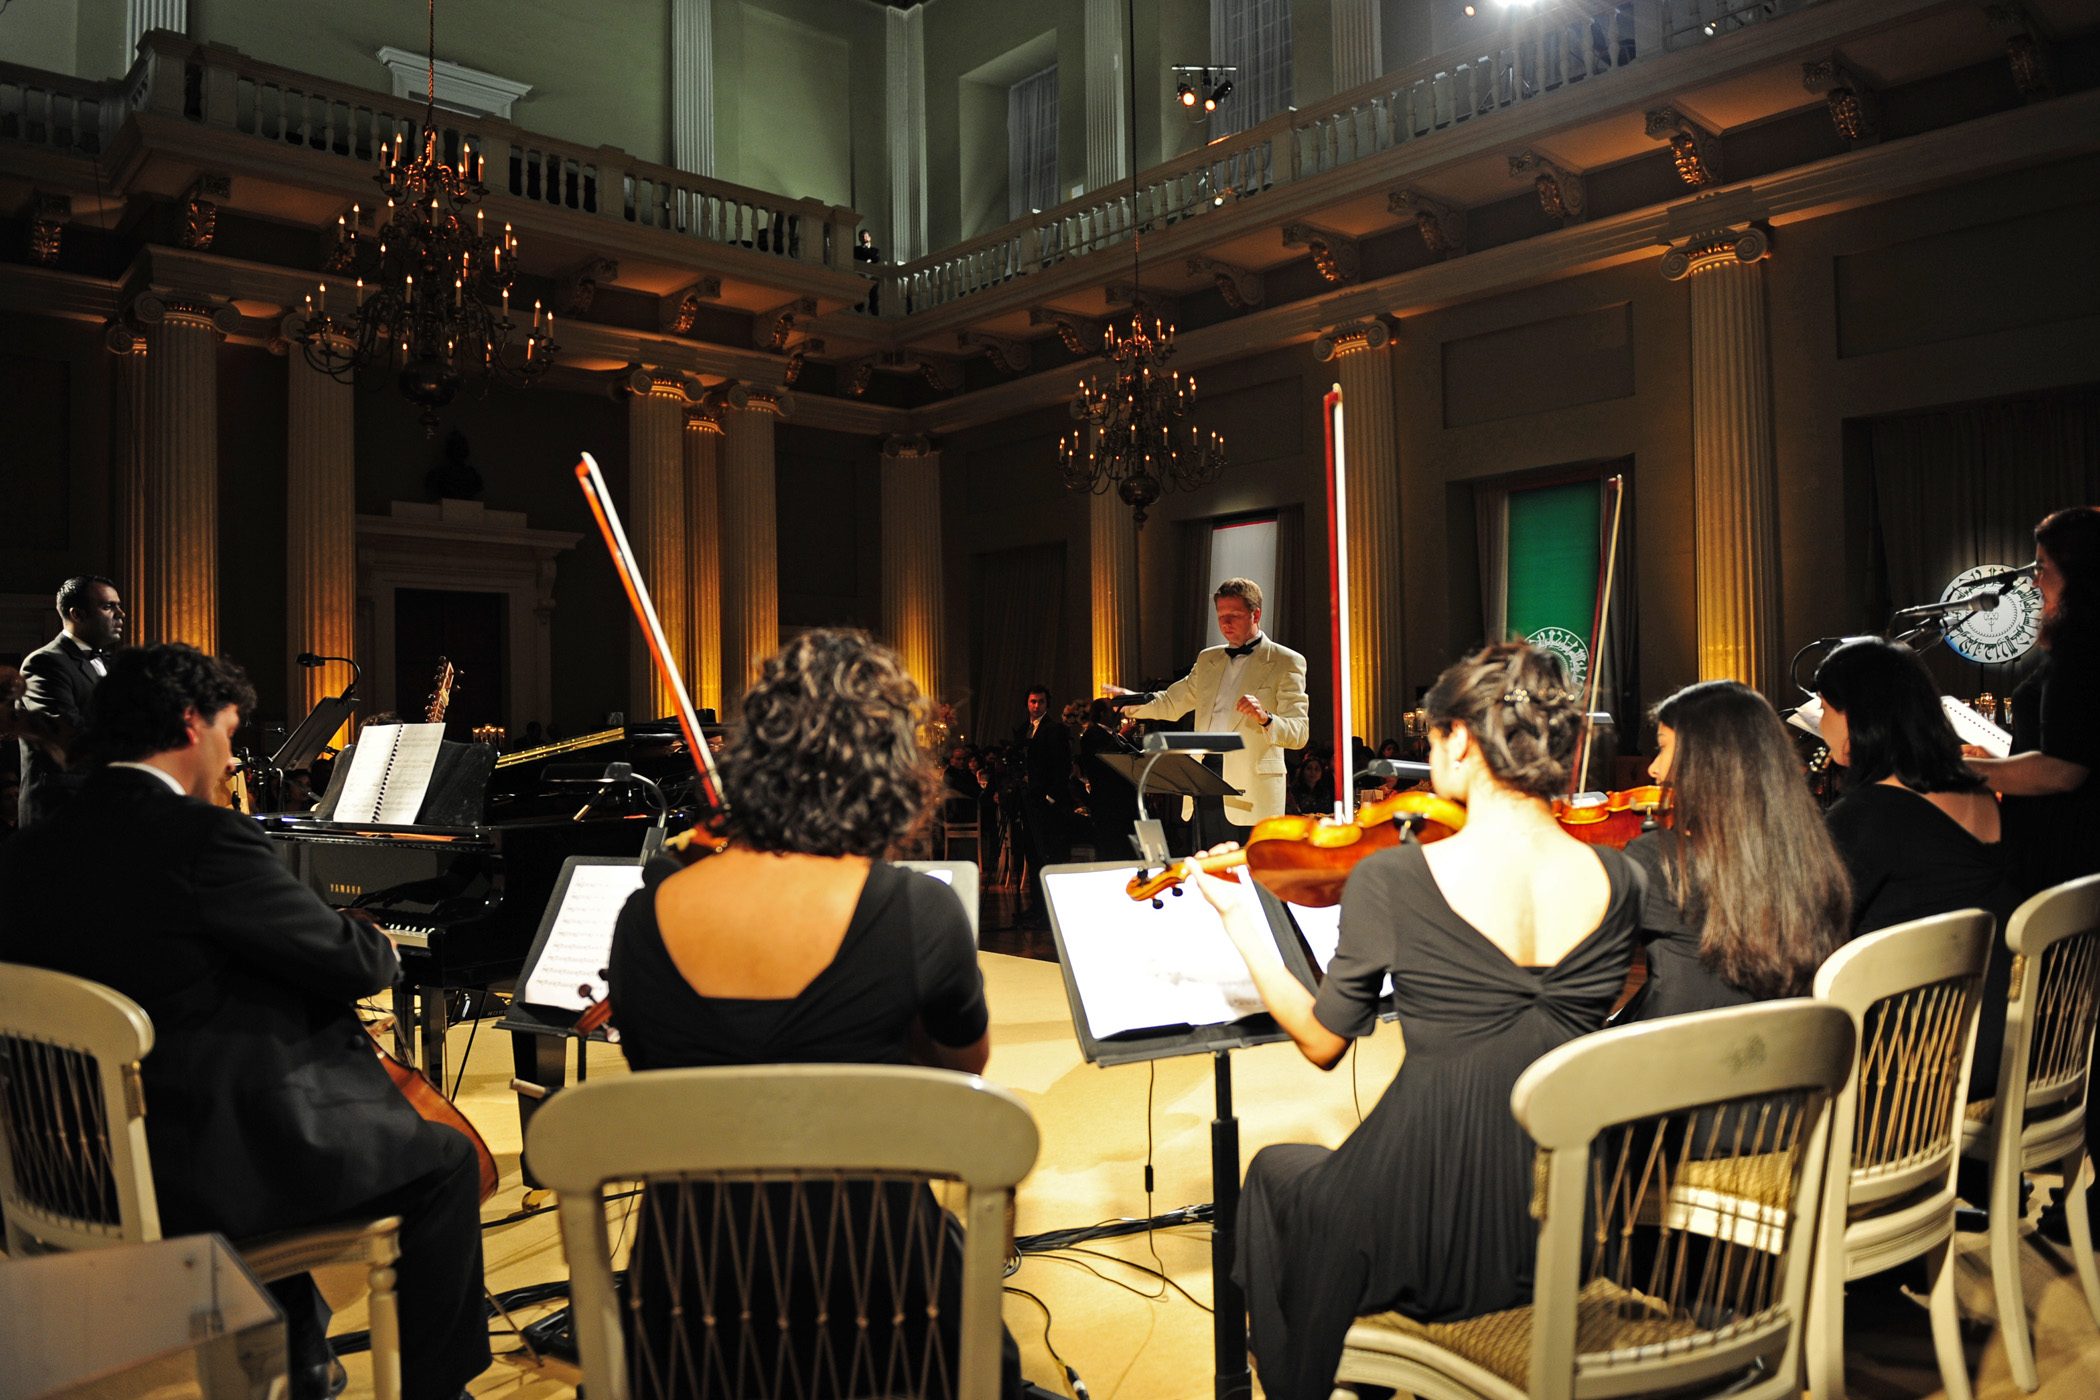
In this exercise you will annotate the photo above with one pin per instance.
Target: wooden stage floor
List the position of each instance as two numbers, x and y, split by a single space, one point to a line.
1128 1346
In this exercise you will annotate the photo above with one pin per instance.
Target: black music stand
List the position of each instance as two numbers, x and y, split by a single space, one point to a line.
1229 1319
304 744
1173 775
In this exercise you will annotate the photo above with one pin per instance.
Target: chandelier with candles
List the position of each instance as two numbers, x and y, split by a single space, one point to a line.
1134 441
432 283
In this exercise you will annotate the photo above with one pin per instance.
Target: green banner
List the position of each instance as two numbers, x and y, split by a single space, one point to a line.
1553 557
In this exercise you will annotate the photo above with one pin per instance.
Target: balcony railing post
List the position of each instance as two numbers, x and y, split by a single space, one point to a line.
165 57
221 83
1648 29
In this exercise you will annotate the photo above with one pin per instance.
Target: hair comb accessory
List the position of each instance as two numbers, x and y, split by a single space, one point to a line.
1516 695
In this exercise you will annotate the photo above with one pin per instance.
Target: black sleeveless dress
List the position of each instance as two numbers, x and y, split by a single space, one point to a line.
1426 1208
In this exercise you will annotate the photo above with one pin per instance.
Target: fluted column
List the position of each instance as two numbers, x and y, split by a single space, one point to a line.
142 15
693 85
1371 455
904 97
1113 539
178 598
320 526
1357 43
656 407
703 556
1735 493
1107 95
750 549
129 347
913 604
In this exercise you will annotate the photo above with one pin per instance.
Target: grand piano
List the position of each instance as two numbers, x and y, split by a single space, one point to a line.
462 891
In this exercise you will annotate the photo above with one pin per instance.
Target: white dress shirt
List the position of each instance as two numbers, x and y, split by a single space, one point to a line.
161 773
1226 701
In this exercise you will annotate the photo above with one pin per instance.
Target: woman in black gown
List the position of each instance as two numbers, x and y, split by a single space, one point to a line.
1745 893
1918 829
798 944
2052 800
1503 941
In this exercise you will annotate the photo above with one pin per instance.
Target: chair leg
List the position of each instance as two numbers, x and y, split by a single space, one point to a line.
2005 1272
2078 1172
384 1309
1824 1352
1946 1322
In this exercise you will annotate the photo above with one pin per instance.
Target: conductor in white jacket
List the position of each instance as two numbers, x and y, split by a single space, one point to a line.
1252 687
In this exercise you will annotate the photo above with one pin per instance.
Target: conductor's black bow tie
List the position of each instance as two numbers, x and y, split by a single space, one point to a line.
1246 650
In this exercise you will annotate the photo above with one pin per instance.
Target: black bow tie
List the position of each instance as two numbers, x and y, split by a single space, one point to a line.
1247 650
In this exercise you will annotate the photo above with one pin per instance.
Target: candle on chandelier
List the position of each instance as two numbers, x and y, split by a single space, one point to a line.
535 315
360 294
506 306
324 298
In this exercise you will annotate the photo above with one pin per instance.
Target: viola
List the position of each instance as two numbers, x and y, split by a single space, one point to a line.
1306 860
1612 818
434 1107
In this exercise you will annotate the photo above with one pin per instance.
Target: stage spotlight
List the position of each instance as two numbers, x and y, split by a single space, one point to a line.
1471 11
1187 93
1219 93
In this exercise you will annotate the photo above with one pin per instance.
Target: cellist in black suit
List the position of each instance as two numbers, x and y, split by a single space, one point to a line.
266 1106
62 675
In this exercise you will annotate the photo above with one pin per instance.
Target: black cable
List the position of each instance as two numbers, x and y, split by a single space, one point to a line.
1133 1264
1073 1387
461 1077
1113 1229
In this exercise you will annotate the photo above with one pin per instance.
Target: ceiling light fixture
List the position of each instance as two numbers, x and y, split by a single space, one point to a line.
433 298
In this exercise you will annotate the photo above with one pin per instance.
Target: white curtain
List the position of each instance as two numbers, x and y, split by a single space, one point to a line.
1491 517
1031 144
1253 36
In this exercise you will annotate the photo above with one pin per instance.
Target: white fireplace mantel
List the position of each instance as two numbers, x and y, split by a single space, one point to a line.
463 546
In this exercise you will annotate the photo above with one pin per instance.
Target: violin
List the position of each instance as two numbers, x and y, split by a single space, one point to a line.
1306 860
1613 818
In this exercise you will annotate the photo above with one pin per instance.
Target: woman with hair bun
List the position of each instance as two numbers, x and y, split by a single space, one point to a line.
1503 941
1746 895
799 944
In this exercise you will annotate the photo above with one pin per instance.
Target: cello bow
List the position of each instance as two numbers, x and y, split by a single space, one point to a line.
608 516
1606 577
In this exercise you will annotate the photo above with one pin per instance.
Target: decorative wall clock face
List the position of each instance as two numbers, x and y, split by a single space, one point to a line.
1573 651
2002 634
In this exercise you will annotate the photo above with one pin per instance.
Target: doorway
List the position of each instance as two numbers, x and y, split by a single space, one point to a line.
468 629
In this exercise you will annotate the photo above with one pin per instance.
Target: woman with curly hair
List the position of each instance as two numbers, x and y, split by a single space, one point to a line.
800 944
1503 941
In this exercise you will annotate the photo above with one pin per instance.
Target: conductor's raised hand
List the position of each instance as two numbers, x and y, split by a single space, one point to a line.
1107 689
1251 708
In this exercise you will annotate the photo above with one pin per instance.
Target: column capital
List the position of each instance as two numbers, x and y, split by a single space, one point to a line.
778 402
706 422
899 447
1351 337
121 339
660 383
156 308
1721 247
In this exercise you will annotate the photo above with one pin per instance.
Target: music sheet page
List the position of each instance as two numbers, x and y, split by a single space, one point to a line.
390 773
1137 967
580 943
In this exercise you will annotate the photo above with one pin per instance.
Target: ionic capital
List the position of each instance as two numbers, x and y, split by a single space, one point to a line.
154 308
1351 338
903 447
704 422
1723 247
661 384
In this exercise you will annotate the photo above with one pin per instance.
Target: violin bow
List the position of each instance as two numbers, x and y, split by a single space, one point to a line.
594 491
1338 607
1605 579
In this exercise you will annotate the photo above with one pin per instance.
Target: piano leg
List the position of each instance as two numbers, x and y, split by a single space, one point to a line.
405 1024
541 1060
435 1024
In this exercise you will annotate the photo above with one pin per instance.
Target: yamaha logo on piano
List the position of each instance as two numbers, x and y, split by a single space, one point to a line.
347 891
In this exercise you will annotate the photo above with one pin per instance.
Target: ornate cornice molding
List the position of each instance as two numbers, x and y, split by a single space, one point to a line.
1855 105
661 383
1241 287
1008 356
1443 226
1352 337
1561 192
1695 151
1334 254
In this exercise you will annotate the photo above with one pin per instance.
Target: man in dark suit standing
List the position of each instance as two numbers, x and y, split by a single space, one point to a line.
62 675
1046 748
266 1107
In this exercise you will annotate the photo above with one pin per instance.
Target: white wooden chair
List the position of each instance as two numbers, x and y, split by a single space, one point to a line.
1680 1169
1913 993
74 1172
770 1179
2037 1118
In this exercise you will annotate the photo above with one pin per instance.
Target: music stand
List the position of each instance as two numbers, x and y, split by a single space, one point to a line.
1172 775
304 744
1218 1040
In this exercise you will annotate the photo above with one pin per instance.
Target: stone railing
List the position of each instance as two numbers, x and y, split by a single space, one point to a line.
1541 52
71 116
222 88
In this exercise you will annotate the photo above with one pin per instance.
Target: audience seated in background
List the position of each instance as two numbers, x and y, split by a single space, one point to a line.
1746 894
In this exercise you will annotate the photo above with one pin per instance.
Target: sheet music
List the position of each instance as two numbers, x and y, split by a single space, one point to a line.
580 943
390 773
1137 967
1975 729
1808 716
1322 931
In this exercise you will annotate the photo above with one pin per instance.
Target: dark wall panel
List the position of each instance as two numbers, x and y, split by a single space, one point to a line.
1557 363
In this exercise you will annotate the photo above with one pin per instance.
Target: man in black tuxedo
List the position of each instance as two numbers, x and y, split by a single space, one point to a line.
266 1106
1046 748
62 675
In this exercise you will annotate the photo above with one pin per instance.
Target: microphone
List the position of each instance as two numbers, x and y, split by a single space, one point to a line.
1971 603
308 659
2006 578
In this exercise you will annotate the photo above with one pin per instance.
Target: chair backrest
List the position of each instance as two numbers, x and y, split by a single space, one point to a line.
1681 1163
74 1173
776 1182
2049 1022
1914 992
